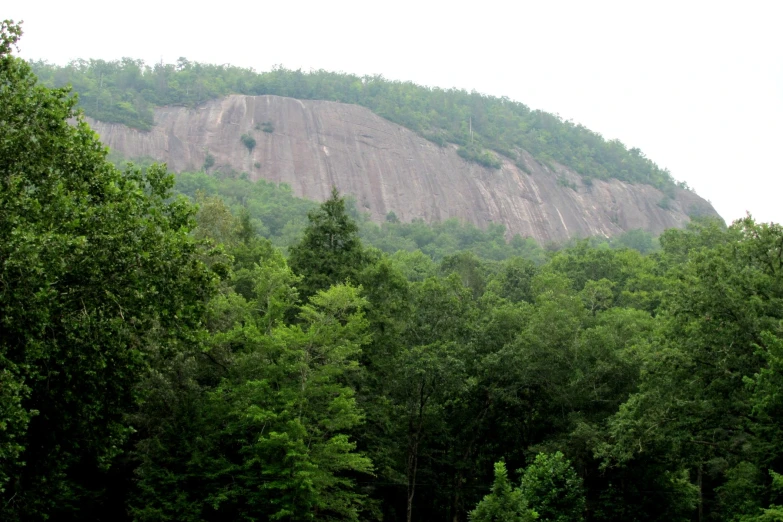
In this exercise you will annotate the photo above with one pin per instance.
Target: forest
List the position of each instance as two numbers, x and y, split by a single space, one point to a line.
207 349
276 214
127 91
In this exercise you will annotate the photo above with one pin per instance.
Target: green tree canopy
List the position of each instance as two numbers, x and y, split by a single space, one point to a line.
553 489
95 264
504 503
330 251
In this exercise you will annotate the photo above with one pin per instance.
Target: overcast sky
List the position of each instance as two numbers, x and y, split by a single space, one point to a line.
698 86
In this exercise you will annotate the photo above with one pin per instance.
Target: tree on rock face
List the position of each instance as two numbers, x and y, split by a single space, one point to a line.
330 252
94 264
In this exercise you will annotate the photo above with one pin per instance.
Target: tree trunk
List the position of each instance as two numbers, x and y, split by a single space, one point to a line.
413 462
701 496
414 434
457 500
459 479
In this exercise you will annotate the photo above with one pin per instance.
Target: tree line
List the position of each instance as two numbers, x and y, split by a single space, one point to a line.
161 360
281 217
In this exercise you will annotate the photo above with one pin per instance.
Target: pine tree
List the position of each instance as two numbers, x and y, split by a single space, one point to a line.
504 503
330 251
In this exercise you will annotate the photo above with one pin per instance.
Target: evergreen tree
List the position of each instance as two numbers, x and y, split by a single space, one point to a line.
504 503
330 251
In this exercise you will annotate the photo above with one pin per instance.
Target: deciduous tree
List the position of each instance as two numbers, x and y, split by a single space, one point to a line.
97 270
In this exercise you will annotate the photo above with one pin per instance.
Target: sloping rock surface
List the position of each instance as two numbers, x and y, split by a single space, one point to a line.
317 144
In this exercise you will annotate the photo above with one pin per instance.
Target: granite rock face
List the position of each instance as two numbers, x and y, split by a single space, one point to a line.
314 145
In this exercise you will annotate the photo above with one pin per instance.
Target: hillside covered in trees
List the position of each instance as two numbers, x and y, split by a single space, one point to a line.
127 91
212 355
276 214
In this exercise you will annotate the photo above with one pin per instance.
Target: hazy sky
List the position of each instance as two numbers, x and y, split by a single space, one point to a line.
698 86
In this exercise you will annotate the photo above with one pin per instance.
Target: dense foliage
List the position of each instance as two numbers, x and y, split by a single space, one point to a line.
276 214
163 361
98 272
127 91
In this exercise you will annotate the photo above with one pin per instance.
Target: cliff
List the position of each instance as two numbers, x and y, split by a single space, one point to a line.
316 144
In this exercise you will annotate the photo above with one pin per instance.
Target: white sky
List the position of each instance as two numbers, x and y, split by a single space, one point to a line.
698 86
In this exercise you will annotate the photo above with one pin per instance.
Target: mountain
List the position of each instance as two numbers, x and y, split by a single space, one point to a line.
421 152
312 145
